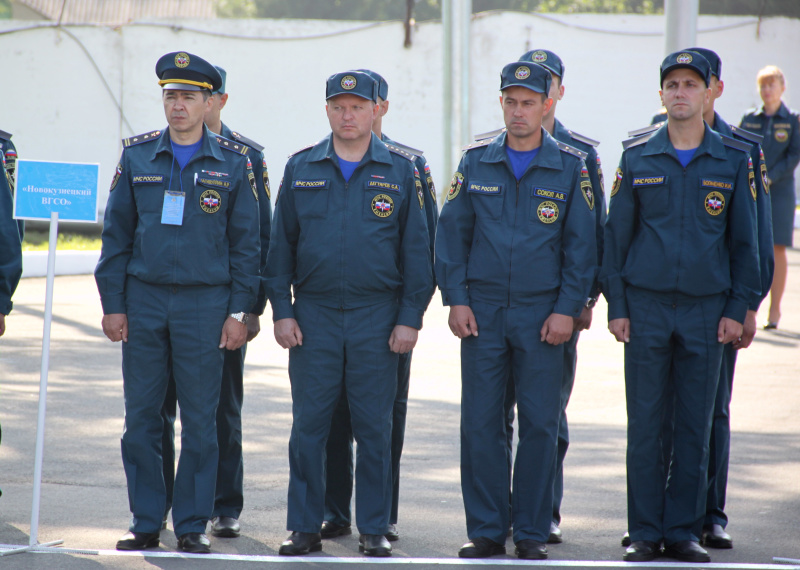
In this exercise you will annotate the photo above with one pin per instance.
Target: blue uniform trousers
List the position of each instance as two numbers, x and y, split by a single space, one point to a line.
172 328
567 382
509 344
673 341
720 441
229 495
339 450
342 349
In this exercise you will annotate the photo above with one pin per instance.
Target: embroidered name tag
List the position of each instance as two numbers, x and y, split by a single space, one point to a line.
649 180
480 188
310 184
720 184
148 179
214 183
382 185
550 194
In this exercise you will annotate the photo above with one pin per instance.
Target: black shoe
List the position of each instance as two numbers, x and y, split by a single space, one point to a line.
530 549
626 540
332 530
715 536
392 533
301 543
374 545
555 534
687 551
225 527
641 551
481 547
194 542
137 541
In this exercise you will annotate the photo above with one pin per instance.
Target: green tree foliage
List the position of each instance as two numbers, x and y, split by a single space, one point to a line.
432 9
5 9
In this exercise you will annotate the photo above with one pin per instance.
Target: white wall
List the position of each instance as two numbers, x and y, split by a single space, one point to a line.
56 105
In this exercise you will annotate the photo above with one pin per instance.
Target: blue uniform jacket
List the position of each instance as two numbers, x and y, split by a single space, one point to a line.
218 242
261 175
561 133
10 248
766 253
9 156
688 231
781 144
509 243
353 244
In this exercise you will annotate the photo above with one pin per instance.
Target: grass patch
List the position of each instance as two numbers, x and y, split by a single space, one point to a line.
40 241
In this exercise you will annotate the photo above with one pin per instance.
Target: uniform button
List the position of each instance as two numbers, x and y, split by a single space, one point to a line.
174 289
674 306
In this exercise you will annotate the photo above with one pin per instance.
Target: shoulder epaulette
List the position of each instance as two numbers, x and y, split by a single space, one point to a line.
298 151
402 152
571 150
5 135
232 146
477 144
139 139
733 143
645 130
405 147
582 138
747 135
635 141
249 142
489 135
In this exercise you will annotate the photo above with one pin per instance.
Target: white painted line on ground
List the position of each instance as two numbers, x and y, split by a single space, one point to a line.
314 559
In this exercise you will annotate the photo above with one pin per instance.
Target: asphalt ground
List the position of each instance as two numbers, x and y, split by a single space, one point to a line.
84 499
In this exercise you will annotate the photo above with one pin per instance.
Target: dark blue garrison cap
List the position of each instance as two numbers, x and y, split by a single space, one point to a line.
188 72
686 60
224 75
352 83
523 74
546 59
713 60
383 87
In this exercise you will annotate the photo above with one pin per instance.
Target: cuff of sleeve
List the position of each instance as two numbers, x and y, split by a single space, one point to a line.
5 306
410 317
114 305
240 303
282 310
569 307
735 309
455 297
261 304
618 309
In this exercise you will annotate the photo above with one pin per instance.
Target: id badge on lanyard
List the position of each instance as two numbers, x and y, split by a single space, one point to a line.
172 211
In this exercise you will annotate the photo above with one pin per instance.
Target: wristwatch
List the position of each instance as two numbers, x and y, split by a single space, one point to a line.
590 303
241 317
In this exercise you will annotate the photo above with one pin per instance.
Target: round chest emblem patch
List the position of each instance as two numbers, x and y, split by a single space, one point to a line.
181 59
522 72
684 58
382 206
539 57
781 135
348 82
210 201
548 212
715 203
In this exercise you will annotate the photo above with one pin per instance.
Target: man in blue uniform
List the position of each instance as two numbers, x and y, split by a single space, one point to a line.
679 272
515 261
555 66
350 241
177 274
229 495
10 247
339 450
714 534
